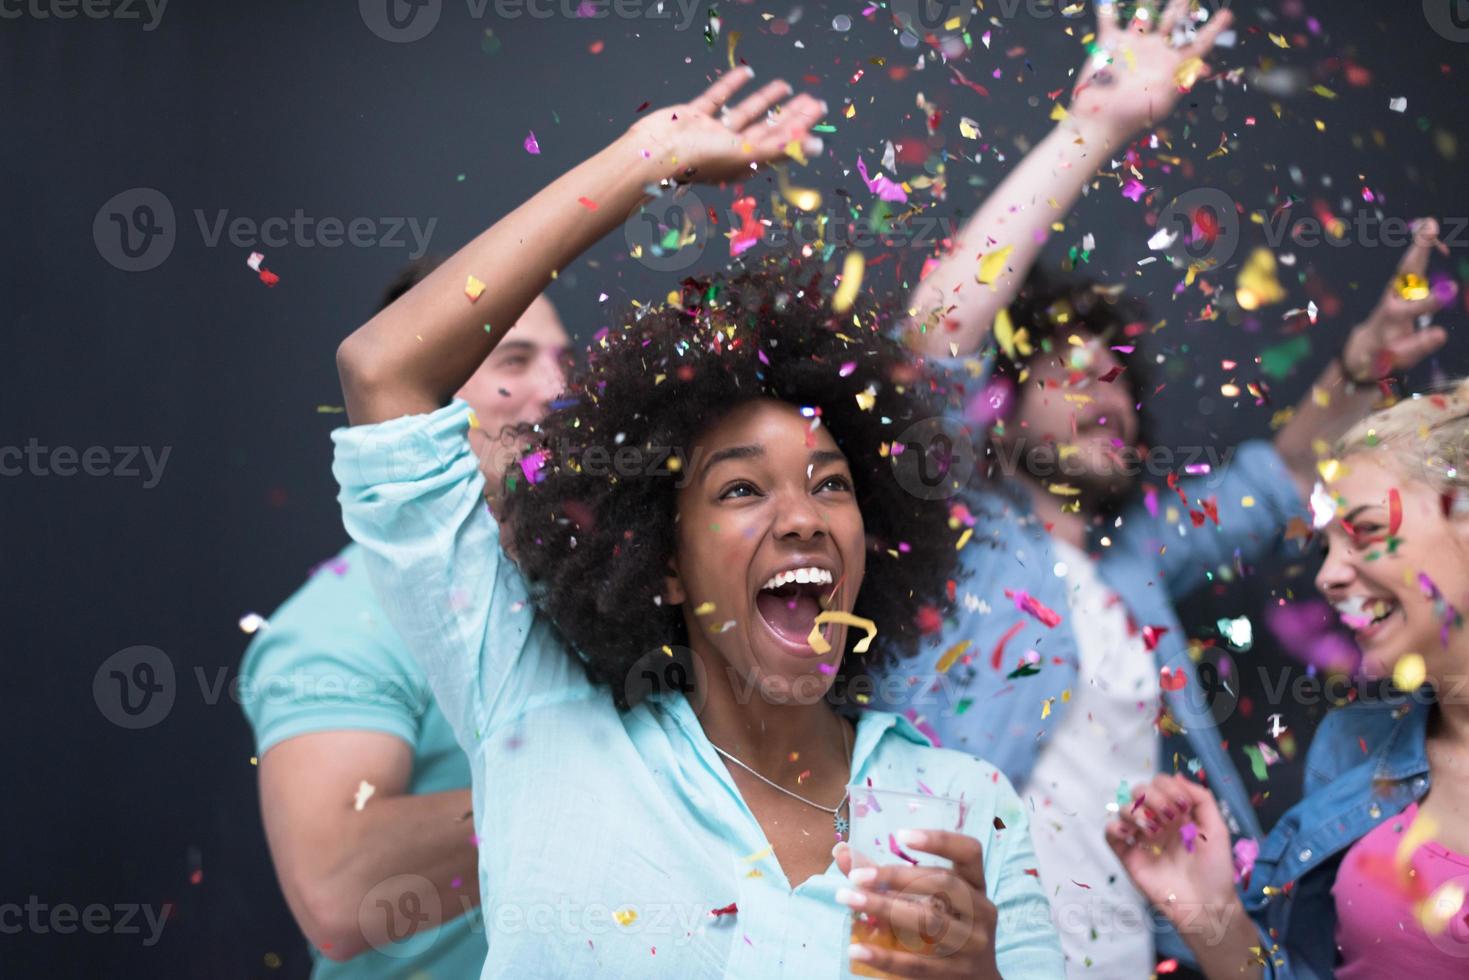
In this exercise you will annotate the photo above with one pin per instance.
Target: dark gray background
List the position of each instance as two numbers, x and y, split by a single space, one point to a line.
266 107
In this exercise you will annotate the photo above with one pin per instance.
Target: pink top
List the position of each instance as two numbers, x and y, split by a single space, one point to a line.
1377 926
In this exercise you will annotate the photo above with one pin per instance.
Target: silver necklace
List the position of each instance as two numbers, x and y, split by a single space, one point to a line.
838 821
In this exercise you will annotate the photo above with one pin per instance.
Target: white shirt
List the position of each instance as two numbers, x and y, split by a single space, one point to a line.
1105 744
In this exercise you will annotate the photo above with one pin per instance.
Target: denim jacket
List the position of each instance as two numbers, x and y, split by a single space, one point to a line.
1367 764
1152 554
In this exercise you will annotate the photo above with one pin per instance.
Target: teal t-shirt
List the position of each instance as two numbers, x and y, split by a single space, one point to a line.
330 661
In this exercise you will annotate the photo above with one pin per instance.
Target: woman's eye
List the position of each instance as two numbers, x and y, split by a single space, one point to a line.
738 490
836 483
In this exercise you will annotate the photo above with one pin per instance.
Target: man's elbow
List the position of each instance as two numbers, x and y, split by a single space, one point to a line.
330 919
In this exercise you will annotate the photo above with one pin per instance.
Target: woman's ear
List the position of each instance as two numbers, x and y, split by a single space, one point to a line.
673 591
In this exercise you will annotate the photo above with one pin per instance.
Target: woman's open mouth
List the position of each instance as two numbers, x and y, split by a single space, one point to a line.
788 604
1367 617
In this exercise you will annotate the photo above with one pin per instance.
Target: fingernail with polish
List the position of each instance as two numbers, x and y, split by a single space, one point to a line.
913 838
851 899
859 952
863 876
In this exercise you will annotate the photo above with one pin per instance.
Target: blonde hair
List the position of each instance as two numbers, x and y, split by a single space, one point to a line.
1426 434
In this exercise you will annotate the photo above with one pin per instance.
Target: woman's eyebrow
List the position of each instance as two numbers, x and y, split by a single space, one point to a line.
1351 518
733 452
820 457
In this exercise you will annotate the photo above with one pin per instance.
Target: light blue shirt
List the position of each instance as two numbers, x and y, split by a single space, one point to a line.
607 838
330 661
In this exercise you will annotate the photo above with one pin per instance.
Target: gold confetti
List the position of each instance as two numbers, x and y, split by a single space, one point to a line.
1258 285
951 656
818 642
625 917
846 293
1409 673
1411 287
705 608
473 288
991 265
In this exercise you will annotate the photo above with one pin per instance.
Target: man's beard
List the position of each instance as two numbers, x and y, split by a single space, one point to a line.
1100 484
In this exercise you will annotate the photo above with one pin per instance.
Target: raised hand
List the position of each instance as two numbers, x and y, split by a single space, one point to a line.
1388 341
709 141
1180 874
1140 71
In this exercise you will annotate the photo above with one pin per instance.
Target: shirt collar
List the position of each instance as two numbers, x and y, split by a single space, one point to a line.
1405 753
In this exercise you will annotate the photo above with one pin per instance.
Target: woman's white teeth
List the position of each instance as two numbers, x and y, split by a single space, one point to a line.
1363 609
803 576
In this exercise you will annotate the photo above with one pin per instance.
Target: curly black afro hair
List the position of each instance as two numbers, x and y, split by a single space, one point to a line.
596 546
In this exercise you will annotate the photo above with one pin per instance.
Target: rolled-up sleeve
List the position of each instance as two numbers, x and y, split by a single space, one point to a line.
413 496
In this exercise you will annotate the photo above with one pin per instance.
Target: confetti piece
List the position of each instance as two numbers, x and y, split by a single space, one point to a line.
252 622
1409 673
1027 603
992 264
846 293
1412 287
951 656
1441 907
1168 680
587 203
731 909
473 288
625 917
705 608
1258 285
531 146
818 642
364 793
998 653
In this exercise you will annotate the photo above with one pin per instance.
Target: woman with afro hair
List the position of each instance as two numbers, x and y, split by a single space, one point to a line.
643 642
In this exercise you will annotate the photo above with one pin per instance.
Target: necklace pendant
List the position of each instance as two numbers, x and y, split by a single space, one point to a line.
841 823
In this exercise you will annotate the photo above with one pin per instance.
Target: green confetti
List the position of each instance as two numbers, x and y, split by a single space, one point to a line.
1278 361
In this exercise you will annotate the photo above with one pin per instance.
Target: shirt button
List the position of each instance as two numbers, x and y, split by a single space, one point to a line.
1305 855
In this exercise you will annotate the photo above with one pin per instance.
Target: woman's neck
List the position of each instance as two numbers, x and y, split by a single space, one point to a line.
762 732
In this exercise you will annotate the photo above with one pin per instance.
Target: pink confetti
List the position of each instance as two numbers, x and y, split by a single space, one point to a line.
881 185
1134 190
531 146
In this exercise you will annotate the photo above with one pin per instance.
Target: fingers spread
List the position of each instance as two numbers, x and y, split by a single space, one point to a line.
757 105
723 89
1209 33
1174 15
1425 238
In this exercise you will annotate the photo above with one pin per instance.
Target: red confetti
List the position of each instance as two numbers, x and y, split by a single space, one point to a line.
731 909
268 277
587 203
1000 647
1394 511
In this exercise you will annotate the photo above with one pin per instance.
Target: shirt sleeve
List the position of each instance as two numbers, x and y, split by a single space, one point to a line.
330 661
413 496
1253 497
1026 944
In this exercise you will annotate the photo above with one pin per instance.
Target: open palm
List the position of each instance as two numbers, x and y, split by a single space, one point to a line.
709 141
1138 75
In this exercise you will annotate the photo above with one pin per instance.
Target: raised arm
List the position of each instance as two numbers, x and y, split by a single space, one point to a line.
1387 342
1135 79
411 357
